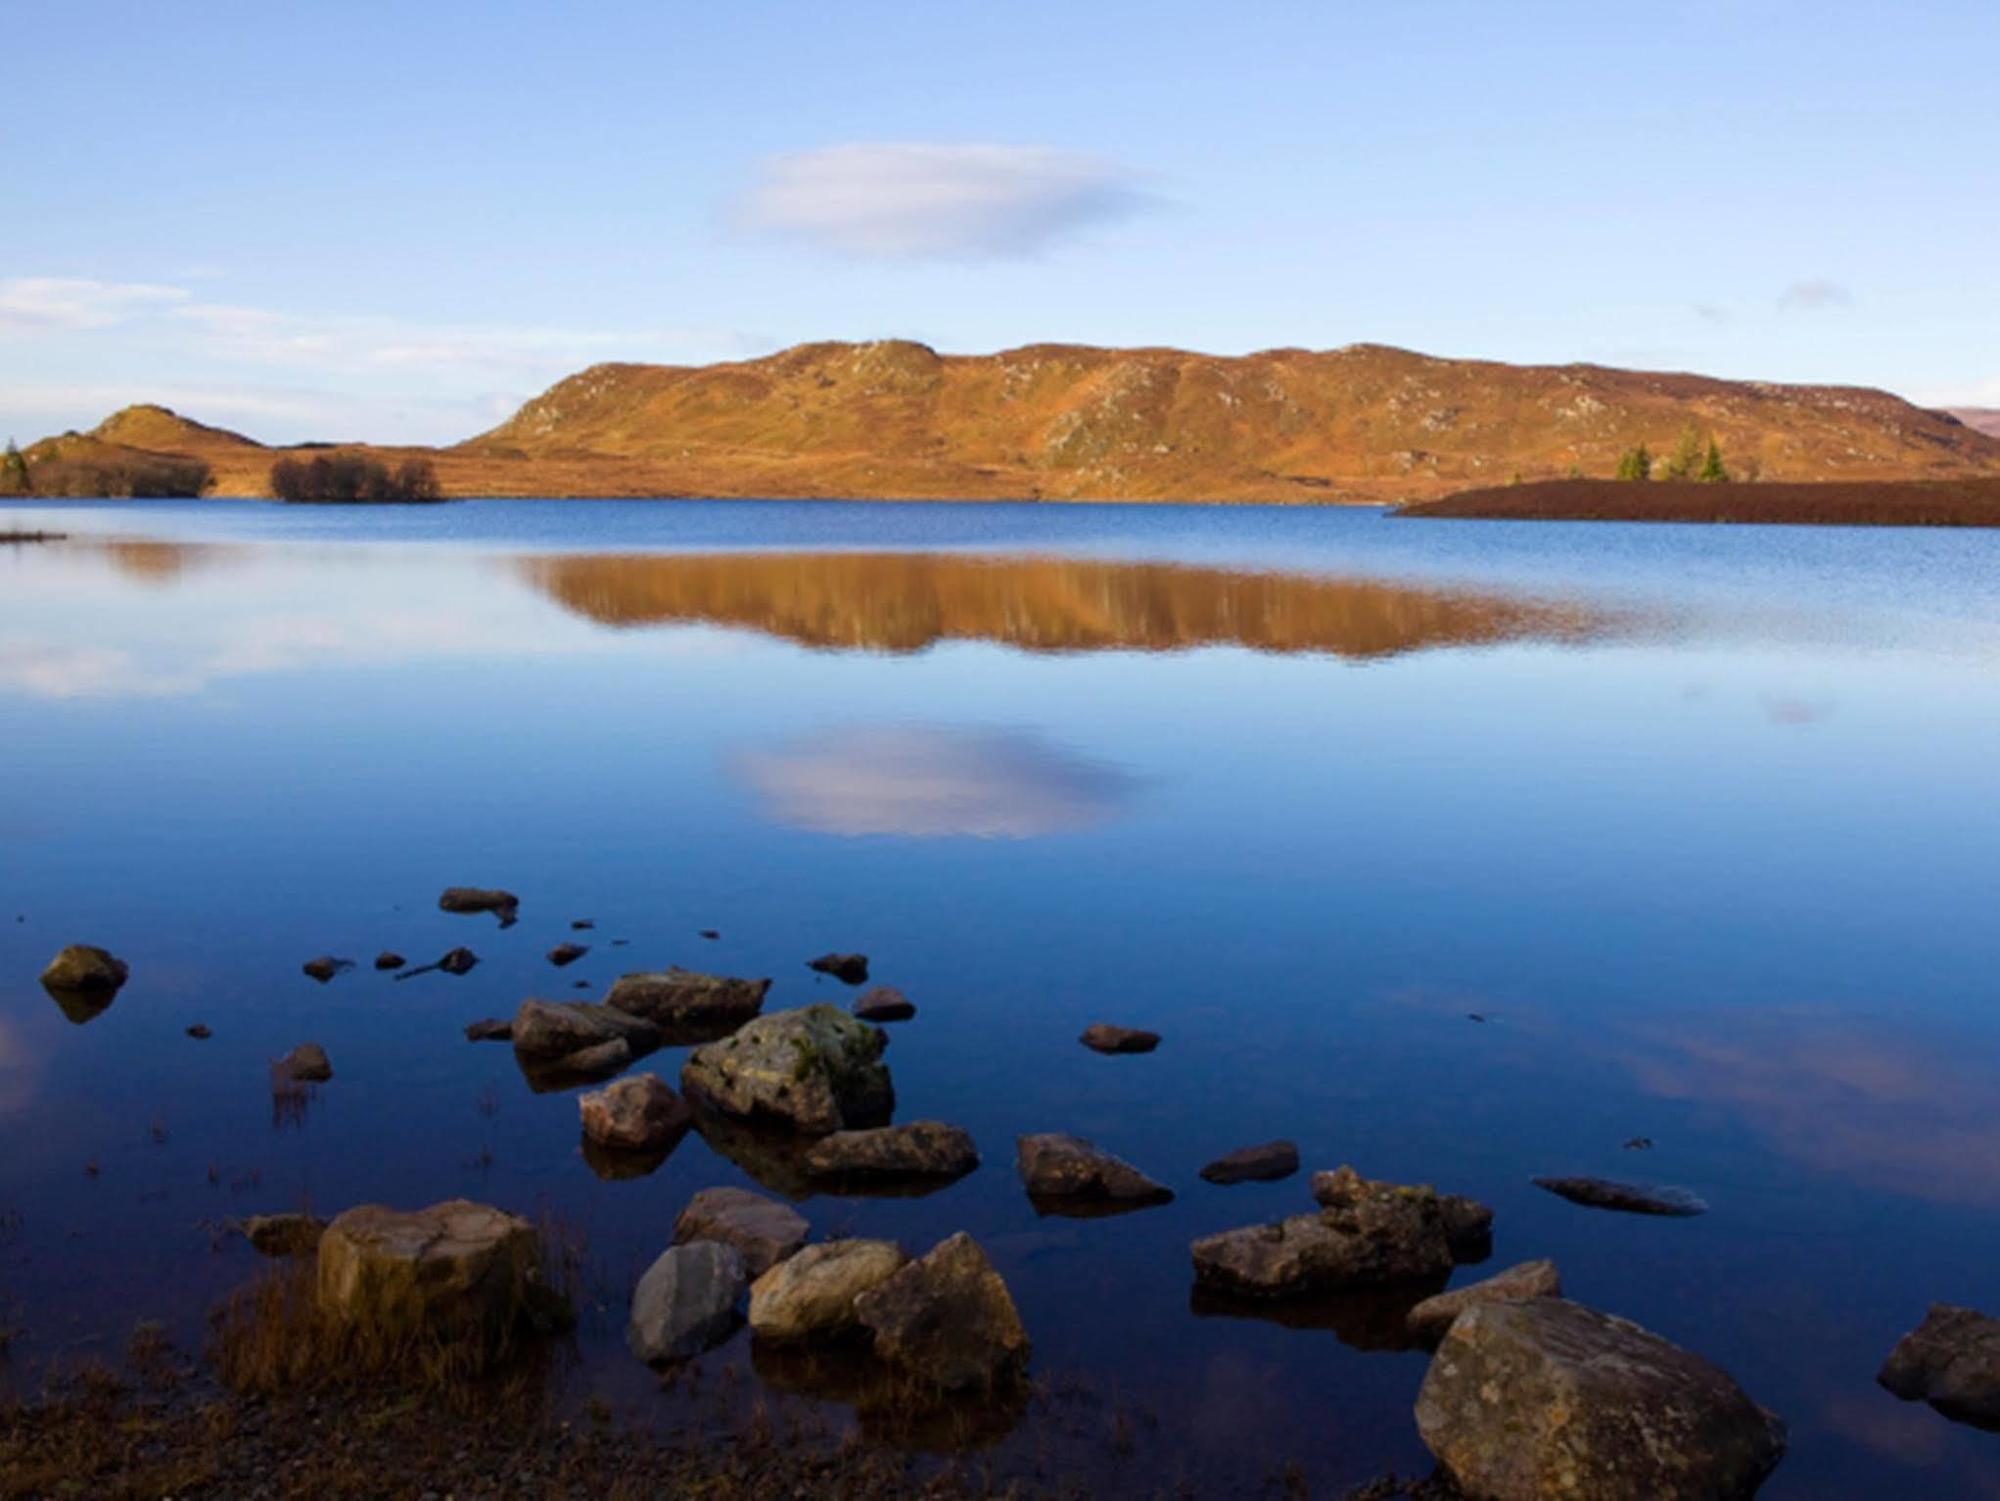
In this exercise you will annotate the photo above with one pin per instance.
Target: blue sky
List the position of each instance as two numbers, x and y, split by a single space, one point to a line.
395 221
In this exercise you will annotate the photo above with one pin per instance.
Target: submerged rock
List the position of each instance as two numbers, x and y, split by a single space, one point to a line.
1541 1398
916 1149
1429 1320
947 1319
816 1070
1102 1037
83 969
451 1271
547 1032
282 1234
466 899
305 1064
637 1114
489 1029
1952 1361
884 1003
812 1295
567 953
325 967
849 969
762 1230
1059 1170
1262 1164
458 961
1630 1198
390 959
682 1000
199 1032
686 1302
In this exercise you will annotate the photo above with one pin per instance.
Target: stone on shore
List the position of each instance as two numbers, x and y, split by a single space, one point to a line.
282 1234
679 998
305 1064
1057 1168
916 1149
1952 1361
763 1231
1429 1320
466 899
849 969
947 1319
812 1295
685 1303
635 1114
816 1070
548 1032
1629 1198
1102 1037
1259 1164
884 1003
1547 1398
85 969
452 1271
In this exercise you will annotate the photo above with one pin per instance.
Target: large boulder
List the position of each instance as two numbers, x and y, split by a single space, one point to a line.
812 1295
1058 1170
816 1070
548 1032
689 1005
948 1320
85 970
762 1230
1952 1361
913 1151
1544 1398
454 1270
1468 1224
1429 1320
636 1114
686 1302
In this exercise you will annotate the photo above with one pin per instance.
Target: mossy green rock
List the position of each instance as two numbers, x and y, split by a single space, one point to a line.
816 1070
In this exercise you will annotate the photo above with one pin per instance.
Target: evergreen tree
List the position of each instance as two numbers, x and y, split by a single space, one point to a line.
13 471
1712 471
1687 454
1635 463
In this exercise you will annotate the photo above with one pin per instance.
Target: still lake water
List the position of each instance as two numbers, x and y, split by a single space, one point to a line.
1702 821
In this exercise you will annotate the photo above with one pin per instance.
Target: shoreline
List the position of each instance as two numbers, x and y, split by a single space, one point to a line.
1900 503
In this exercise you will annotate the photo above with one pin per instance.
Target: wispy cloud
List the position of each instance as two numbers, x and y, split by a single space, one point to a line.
65 302
1814 295
897 201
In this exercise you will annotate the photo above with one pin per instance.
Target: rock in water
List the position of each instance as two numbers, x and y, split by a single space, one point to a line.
502 904
567 953
947 1319
283 1234
1057 1168
763 1231
551 1031
325 967
682 998
1952 1361
1631 1198
305 1064
816 1070
812 1295
459 961
84 969
1468 1224
199 1032
453 1271
389 959
637 1114
884 1003
916 1149
489 1029
849 969
1547 1398
1429 1320
686 1302
1274 1159
1102 1037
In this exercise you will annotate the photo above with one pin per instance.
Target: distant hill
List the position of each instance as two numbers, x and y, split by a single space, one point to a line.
897 420
1984 419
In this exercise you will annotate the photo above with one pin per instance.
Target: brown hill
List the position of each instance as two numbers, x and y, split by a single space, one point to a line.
1952 502
895 420
1980 419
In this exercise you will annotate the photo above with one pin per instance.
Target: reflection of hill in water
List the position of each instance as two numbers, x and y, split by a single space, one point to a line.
159 562
908 601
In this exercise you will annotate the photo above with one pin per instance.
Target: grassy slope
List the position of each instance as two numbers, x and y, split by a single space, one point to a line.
1960 502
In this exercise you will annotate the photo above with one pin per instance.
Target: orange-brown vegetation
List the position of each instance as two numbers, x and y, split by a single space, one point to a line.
1959 502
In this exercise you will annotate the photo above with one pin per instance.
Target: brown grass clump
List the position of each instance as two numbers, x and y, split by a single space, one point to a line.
1953 502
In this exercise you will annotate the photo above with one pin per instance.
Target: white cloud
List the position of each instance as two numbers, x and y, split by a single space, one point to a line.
907 200
63 302
1815 295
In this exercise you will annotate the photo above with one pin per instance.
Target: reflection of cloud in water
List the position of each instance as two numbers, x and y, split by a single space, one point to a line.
1842 1095
930 781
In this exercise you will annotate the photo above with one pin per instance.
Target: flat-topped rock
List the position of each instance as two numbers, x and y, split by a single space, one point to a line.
815 1070
884 1003
764 1231
1102 1037
681 998
452 1270
635 1114
812 1295
1468 1224
467 899
1429 1320
915 1149
686 1302
947 1319
1627 1198
1258 1164
548 1031
1952 1361
1545 1398
1057 1168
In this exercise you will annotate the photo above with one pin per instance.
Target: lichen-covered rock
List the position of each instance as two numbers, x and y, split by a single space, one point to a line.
762 1230
947 1319
549 1031
1468 1224
1258 1164
1543 1398
453 1270
1102 1037
1055 1167
1429 1320
502 904
1952 1361
812 1295
85 969
816 1070
680 999
636 1114
686 1302
916 1149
